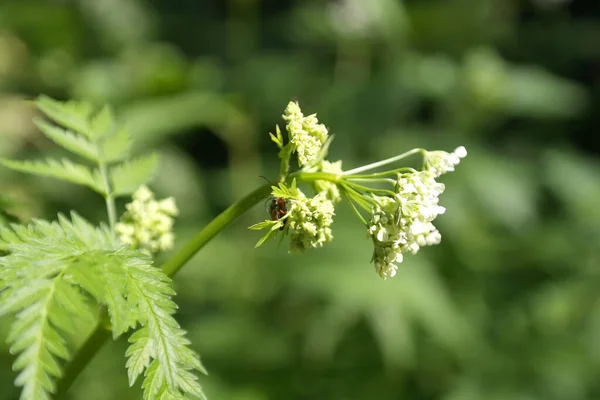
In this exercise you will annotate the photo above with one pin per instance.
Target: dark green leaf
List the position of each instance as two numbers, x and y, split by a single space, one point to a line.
64 170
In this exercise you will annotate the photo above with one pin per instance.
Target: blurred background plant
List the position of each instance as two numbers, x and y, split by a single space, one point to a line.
507 307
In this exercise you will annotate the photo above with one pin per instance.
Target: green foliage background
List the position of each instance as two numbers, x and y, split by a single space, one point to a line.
507 307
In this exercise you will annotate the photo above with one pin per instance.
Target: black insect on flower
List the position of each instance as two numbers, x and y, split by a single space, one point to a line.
278 210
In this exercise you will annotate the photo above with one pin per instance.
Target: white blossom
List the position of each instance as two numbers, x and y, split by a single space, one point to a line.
403 223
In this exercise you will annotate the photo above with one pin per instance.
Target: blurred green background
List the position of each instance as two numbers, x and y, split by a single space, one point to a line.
506 308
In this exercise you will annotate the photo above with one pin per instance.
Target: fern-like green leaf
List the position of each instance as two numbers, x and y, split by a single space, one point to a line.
160 346
102 124
98 238
70 255
94 136
40 282
128 176
72 115
116 147
70 141
64 170
123 314
138 354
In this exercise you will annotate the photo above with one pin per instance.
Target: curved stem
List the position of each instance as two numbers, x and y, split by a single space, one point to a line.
174 264
391 172
92 345
367 189
215 226
95 342
353 206
371 180
365 202
383 162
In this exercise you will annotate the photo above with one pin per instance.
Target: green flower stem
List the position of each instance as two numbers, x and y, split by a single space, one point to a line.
384 162
391 172
215 226
85 354
358 187
365 202
353 206
371 180
112 211
95 342
110 200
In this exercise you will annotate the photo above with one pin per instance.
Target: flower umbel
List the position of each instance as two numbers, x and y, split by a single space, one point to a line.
403 223
401 202
309 221
148 223
307 136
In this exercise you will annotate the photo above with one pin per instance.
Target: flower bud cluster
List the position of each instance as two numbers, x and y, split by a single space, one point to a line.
148 223
309 221
403 223
307 136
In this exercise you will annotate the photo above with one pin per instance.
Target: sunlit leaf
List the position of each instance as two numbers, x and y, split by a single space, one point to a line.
128 176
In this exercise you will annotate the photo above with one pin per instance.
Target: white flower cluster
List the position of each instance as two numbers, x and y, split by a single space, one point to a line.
306 134
403 223
440 162
329 189
147 224
309 221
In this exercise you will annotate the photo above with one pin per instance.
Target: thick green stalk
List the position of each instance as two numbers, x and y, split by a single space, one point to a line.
85 354
174 264
215 226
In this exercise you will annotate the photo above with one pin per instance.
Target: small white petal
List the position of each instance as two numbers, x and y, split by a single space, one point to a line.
382 235
461 152
392 271
399 257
